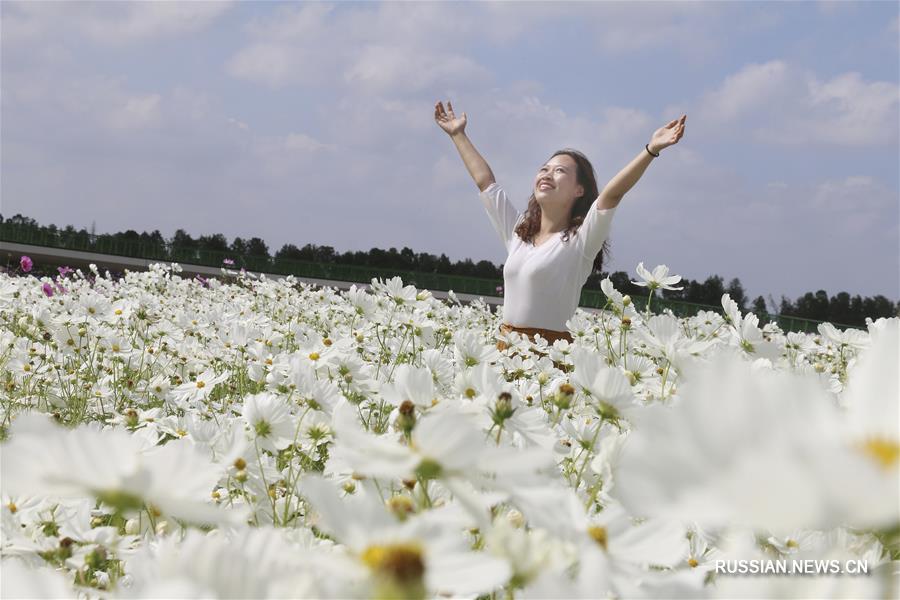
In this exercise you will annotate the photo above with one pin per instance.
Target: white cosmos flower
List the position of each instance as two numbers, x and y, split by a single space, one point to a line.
269 420
110 465
609 390
410 559
445 445
193 392
361 301
612 293
415 384
736 438
659 279
871 434
395 290
250 563
19 581
470 350
747 334
665 334
855 338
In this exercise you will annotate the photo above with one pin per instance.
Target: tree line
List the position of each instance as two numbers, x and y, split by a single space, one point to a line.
841 308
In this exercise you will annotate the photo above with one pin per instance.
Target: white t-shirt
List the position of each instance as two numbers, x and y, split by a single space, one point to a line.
542 284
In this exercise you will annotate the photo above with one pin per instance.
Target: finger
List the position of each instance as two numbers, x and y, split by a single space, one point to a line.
449 107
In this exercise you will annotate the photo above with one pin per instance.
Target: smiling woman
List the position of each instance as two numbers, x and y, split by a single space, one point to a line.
561 237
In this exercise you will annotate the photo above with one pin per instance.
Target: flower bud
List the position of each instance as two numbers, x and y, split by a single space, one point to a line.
503 408
563 398
132 527
516 518
406 420
626 300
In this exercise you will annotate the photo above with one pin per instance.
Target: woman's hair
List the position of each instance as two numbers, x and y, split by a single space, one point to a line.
584 173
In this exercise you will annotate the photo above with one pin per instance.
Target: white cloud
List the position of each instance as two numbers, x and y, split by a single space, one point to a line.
272 64
858 200
835 7
111 23
752 88
301 142
397 48
778 103
137 112
394 68
287 156
846 111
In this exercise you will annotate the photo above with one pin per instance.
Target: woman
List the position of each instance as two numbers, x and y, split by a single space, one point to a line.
561 237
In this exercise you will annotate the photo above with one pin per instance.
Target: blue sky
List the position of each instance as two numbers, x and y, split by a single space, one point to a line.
312 123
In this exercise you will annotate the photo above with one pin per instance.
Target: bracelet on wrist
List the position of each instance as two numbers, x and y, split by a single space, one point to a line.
647 146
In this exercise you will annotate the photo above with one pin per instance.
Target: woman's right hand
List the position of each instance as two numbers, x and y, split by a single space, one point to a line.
447 120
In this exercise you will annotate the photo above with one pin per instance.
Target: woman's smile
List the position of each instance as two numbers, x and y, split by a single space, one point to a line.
559 173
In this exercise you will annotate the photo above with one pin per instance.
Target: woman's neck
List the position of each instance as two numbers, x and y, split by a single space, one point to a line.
553 222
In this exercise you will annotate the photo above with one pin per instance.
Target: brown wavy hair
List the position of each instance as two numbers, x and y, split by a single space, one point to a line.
584 174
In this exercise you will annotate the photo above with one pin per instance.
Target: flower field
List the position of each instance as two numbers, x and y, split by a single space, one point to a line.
164 437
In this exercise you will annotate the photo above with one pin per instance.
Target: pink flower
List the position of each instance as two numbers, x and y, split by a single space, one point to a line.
500 289
63 271
48 289
228 262
26 264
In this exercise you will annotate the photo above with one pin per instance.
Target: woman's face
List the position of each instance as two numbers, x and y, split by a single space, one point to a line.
557 181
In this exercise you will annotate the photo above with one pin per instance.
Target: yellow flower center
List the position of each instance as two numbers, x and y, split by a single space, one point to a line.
599 535
313 356
792 544
401 563
884 452
201 384
693 562
401 506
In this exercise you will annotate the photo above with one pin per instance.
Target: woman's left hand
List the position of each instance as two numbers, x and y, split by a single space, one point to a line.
667 135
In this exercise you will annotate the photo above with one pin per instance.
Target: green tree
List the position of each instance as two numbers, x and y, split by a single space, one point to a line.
215 242
736 291
257 247
182 239
759 307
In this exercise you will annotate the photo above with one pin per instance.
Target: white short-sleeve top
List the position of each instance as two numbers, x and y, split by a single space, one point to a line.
542 284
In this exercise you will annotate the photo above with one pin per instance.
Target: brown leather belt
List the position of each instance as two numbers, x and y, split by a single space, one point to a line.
548 334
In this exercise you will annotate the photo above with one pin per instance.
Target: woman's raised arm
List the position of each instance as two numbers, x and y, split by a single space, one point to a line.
618 186
455 127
